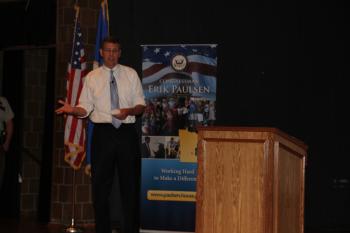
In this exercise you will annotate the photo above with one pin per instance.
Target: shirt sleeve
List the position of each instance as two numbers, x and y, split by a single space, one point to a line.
8 110
139 98
85 99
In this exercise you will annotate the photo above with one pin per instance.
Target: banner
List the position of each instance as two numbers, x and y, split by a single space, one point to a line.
179 82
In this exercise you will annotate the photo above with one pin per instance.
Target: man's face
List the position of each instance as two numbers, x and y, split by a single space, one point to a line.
110 53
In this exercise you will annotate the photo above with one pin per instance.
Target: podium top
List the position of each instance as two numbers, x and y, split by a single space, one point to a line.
255 129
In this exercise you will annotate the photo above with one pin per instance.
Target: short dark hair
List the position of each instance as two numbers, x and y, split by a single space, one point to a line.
111 39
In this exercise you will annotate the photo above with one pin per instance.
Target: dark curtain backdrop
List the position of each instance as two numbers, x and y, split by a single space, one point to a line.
44 201
280 65
27 22
13 85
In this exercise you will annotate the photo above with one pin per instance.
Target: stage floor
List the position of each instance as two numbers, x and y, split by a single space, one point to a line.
28 226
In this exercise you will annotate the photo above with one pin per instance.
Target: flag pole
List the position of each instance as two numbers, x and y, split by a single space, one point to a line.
72 228
107 16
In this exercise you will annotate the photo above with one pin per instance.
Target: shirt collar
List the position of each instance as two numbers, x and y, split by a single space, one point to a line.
115 68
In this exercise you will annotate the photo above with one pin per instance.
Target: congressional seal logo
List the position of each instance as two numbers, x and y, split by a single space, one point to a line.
179 62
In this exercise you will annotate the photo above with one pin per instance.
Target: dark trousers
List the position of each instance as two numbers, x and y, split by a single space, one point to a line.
115 151
10 189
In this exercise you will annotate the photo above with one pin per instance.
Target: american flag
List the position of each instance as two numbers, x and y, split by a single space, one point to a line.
74 132
200 70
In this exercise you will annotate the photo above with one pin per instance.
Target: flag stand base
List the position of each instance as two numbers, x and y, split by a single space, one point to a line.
73 229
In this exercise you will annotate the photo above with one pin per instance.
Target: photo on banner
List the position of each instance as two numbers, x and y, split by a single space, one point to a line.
179 83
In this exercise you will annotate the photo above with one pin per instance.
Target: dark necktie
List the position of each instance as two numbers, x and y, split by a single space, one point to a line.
114 99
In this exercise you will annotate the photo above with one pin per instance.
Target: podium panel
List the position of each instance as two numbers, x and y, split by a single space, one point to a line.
250 180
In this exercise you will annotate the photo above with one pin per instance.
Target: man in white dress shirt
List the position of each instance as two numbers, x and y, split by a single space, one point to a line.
112 147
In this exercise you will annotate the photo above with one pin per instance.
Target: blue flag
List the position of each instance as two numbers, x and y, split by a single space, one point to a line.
102 32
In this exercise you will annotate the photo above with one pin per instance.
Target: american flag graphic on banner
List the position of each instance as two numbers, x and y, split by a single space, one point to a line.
179 83
159 66
74 132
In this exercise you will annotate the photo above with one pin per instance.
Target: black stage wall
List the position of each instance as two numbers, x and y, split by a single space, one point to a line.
282 65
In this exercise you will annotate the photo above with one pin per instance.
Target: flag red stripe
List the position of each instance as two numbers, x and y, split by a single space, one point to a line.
153 69
71 76
80 88
201 68
73 128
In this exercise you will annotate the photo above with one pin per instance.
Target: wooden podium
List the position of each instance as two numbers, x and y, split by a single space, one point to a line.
250 180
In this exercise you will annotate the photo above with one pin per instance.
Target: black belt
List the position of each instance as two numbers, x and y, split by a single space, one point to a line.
123 125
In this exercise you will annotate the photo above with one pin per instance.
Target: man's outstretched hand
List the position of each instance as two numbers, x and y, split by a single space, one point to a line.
87 170
65 108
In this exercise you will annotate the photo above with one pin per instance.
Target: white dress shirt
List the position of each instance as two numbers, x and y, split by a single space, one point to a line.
95 96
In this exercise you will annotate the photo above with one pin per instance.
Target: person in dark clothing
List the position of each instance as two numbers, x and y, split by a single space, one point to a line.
145 148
